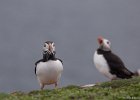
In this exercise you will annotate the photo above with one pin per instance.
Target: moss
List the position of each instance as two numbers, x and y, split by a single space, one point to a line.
114 90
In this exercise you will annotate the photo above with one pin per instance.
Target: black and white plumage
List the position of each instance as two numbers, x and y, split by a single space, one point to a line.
110 64
48 70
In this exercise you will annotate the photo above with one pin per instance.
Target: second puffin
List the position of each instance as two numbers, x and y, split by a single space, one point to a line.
109 63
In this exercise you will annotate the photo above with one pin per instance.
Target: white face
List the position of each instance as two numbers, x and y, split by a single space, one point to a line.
106 44
49 47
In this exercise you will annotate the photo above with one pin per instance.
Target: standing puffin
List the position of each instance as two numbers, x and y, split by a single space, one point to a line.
110 64
48 70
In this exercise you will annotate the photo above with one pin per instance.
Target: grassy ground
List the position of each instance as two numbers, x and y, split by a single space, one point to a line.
128 89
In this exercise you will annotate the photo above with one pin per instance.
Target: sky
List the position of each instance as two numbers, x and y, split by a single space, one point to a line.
74 26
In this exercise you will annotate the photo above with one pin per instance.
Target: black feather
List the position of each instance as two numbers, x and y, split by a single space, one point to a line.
115 64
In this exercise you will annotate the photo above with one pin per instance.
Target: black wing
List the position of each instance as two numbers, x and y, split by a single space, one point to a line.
35 70
60 60
117 66
41 60
45 58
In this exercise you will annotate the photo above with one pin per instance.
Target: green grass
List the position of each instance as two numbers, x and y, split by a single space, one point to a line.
127 89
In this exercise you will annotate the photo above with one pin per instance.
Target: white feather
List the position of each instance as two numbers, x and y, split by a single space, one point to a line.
102 66
49 72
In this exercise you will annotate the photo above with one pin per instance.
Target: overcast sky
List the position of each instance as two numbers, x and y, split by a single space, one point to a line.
74 26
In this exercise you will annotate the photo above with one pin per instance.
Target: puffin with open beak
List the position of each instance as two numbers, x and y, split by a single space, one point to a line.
109 64
48 70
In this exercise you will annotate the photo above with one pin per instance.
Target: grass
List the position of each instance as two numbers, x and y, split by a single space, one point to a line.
127 89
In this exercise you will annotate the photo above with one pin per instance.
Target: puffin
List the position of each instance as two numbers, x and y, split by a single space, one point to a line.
109 64
48 70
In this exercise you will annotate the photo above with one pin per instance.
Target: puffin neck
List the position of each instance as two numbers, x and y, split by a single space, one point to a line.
101 51
47 56
51 57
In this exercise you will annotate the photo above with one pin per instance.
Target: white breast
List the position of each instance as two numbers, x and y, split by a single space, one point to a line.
102 66
49 72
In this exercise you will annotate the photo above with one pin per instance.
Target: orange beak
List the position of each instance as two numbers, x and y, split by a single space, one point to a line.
50 47
100 39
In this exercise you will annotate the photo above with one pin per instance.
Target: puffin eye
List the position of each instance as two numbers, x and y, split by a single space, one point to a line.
44 45
107 42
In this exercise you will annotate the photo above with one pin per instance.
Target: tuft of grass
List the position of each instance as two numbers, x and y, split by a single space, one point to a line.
3 96
121 82
126 89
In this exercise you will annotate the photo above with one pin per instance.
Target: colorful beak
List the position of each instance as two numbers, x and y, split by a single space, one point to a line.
50 47
100 39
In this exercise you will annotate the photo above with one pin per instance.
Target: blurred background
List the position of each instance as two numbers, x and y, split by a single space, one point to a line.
74 26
